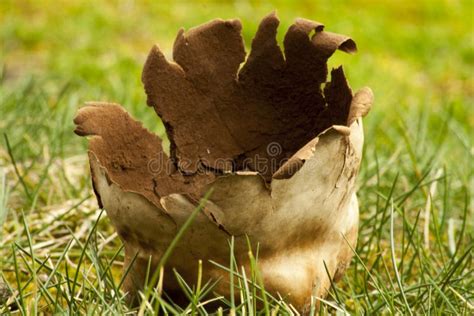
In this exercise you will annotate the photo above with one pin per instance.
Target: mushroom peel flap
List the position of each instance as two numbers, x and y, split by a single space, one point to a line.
280 153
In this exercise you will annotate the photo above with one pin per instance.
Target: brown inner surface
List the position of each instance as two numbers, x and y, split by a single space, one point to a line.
132 156
221 119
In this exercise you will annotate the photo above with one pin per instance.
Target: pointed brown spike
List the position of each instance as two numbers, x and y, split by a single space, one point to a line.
162 80
167 89
338 97
259 79
194 128
211 54
265 61
301 56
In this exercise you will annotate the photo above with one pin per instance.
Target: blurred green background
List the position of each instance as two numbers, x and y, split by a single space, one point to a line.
417 56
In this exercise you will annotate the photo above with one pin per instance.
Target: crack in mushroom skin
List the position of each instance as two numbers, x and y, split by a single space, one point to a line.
220 122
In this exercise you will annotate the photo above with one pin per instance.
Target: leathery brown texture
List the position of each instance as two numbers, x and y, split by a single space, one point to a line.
296 200
225 119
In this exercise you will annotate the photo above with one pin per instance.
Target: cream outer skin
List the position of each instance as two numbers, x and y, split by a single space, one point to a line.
299 224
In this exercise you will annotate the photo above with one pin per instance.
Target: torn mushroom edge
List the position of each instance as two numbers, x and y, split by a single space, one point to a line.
311 28
360 106
358 110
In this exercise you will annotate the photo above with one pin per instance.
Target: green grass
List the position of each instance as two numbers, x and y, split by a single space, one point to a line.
414 253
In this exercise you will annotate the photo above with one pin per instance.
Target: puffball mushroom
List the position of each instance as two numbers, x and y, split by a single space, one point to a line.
280 152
